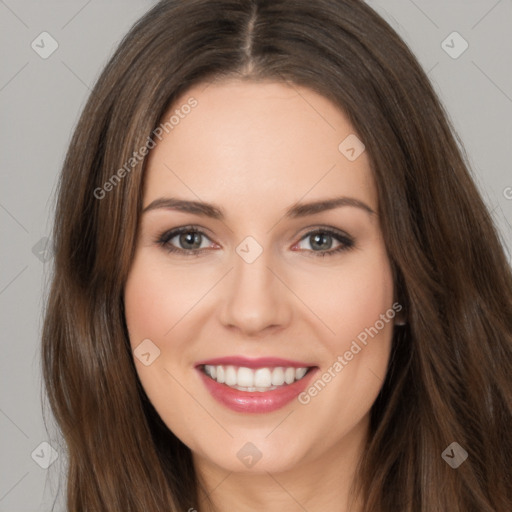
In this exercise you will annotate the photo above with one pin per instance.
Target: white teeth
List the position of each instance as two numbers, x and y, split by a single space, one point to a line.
260 379
299 373
245 377
278 377
289 375
231 379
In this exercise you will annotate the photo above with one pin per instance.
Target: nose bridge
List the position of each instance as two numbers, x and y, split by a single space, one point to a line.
255 298
251 270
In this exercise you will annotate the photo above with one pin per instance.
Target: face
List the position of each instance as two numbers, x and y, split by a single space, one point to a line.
292 304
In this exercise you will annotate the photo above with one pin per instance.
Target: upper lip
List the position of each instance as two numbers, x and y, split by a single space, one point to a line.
260 362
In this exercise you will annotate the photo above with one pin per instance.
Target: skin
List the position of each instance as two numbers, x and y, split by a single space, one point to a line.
256 149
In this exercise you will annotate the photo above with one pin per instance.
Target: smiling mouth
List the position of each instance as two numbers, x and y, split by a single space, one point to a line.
255 379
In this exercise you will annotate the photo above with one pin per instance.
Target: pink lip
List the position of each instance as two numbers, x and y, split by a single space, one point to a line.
256 401
261 362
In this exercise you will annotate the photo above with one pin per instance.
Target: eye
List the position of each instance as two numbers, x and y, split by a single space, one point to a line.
185 240
321 241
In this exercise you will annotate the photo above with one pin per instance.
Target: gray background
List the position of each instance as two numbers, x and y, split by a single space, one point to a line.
40 100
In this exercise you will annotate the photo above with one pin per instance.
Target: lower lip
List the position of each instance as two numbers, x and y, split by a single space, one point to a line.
256 401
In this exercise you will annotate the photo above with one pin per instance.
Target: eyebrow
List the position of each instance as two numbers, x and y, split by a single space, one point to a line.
216 212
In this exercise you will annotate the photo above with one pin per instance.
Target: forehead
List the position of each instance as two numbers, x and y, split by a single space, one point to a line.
246 143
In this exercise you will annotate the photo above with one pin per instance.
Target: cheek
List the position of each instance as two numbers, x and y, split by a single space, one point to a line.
364 295
362 316
157 297
366 325
349 299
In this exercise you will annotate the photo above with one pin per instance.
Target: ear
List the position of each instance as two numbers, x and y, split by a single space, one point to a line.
401 318
401 314
399 298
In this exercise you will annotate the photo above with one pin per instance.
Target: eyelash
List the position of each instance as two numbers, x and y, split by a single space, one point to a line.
346 242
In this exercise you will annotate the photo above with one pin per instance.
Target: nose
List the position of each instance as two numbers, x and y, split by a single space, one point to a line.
255 299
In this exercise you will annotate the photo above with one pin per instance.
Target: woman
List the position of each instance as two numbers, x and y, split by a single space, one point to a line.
249 371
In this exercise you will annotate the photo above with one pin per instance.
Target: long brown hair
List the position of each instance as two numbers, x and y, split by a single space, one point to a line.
449 375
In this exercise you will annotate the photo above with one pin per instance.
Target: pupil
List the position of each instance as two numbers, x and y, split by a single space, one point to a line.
318 238
191 238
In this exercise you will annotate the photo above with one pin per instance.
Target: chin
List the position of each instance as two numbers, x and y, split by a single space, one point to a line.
254 457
